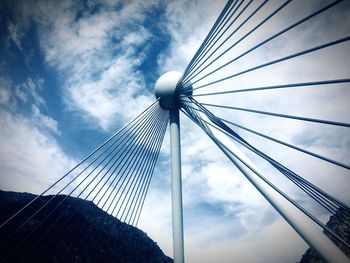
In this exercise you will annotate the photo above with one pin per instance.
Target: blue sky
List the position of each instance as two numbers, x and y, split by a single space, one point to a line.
74 72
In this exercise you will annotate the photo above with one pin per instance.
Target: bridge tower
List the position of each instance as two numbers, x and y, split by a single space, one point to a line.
168 95
165 91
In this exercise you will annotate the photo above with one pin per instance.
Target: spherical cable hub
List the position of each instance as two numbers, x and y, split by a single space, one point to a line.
165 89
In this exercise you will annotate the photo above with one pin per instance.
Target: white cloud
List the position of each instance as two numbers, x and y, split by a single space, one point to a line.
20 94
27 93
136 38
187 30
43 120
268 245
16 35
30 160
117 94
5 91
32 87
98 56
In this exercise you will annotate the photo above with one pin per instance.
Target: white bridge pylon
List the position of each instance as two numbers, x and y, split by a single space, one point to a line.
165 91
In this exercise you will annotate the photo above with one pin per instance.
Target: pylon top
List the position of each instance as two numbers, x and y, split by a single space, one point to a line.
165 89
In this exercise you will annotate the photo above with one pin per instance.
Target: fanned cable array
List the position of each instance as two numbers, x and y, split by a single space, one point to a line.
213 48
193 110
116 177
217 64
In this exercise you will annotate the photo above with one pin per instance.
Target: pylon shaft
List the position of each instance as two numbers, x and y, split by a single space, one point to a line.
176 187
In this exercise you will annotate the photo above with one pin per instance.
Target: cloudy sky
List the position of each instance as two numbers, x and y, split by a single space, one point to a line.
74 72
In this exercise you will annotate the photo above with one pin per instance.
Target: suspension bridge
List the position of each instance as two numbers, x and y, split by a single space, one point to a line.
117 175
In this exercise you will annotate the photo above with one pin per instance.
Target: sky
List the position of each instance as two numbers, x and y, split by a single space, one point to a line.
74 72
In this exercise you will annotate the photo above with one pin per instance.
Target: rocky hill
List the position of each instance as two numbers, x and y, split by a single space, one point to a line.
81 233
341 228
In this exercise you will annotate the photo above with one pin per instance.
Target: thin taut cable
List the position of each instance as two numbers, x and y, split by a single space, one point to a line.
193 75
212 32
190 115
138 175
280 86
272 62
140 161
143 195
87 157
211 45
274 114
283 31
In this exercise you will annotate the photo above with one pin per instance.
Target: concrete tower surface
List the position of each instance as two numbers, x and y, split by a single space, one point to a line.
165 91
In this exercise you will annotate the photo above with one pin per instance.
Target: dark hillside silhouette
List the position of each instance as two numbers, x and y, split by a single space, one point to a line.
82 233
